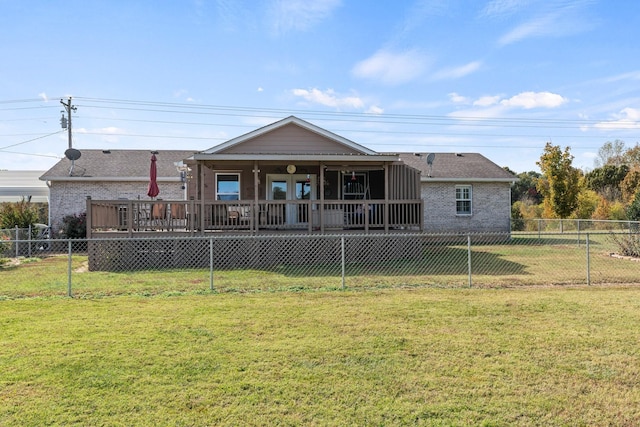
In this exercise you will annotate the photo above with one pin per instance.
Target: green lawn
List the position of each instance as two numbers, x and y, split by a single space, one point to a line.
412 356
523 261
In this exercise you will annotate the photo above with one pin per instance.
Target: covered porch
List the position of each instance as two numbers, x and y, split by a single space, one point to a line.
290 175
179 217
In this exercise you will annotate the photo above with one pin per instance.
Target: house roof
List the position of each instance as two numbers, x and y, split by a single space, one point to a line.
117 165
16 185
291 139
457 167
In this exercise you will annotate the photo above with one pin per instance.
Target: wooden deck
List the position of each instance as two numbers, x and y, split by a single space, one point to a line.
192 217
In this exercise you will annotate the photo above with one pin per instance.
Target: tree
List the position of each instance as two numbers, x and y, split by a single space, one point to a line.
633 210
525 188
630 184
611 153
606 180
632 156
20 214
563 180
588 201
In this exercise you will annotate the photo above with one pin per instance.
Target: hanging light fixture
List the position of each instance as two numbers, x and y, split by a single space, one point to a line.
353 175
308 178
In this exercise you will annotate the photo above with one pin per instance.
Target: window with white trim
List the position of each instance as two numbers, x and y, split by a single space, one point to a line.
463 200
227 186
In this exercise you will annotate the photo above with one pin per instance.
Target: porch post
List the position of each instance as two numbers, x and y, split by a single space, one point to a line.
321 213
256 186
386 197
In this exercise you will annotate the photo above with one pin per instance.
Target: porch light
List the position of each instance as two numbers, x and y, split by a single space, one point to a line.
308 178
353 175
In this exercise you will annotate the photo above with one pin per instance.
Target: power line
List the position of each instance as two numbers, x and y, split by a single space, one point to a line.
30 140
347 117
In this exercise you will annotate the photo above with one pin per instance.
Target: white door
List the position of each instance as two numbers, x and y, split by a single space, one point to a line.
292 187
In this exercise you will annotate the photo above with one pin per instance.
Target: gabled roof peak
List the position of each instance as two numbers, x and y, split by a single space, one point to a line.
285 122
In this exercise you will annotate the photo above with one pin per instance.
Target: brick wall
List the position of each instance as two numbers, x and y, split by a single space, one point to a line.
491 207
69 198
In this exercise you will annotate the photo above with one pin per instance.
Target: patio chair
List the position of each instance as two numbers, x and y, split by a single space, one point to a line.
159 215
177 216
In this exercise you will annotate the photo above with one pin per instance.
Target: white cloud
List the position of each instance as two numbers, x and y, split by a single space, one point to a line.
529 100
549 19
458 72
43 96
300 15
633 75
458 99
628 118
503 7
392 67
486 101
374 109
493 106
329 98
537 27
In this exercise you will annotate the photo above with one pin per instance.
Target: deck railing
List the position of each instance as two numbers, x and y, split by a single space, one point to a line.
193 216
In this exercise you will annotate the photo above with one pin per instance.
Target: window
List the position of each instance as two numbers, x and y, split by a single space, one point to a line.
227 186
463 200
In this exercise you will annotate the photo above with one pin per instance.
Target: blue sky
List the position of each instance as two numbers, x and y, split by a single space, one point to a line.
499 77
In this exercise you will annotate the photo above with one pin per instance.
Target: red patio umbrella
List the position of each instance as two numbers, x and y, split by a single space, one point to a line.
153 190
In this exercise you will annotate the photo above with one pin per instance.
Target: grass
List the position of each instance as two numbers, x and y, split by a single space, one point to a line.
524 261
433 357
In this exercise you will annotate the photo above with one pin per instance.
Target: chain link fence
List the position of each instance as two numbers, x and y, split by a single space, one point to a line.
252 263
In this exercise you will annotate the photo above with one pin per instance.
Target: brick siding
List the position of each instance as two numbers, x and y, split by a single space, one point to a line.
69 198
491 207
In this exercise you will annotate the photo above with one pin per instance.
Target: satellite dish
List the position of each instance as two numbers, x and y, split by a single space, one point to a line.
72 154
430 158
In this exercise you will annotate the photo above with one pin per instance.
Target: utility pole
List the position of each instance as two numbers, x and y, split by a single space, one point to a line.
64 122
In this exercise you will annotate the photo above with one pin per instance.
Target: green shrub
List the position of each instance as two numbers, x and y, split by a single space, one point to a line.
74 226
633 210
20 214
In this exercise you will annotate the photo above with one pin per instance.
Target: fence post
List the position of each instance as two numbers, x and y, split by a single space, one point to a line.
69 294
342 258
588 262
469 257
29 243
578 221
211 264
17 243
539 223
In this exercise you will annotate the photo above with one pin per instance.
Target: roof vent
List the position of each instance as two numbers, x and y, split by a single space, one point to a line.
458 154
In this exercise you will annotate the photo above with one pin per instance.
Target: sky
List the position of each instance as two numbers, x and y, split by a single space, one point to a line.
500 77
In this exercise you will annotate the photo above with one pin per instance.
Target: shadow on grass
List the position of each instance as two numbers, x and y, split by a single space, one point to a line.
439 261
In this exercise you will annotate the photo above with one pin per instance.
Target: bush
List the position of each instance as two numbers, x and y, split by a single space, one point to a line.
5 244
20 214
74 226
633 210
628 244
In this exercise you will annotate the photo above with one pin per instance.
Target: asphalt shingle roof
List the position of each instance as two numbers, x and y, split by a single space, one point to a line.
118 164
457 166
